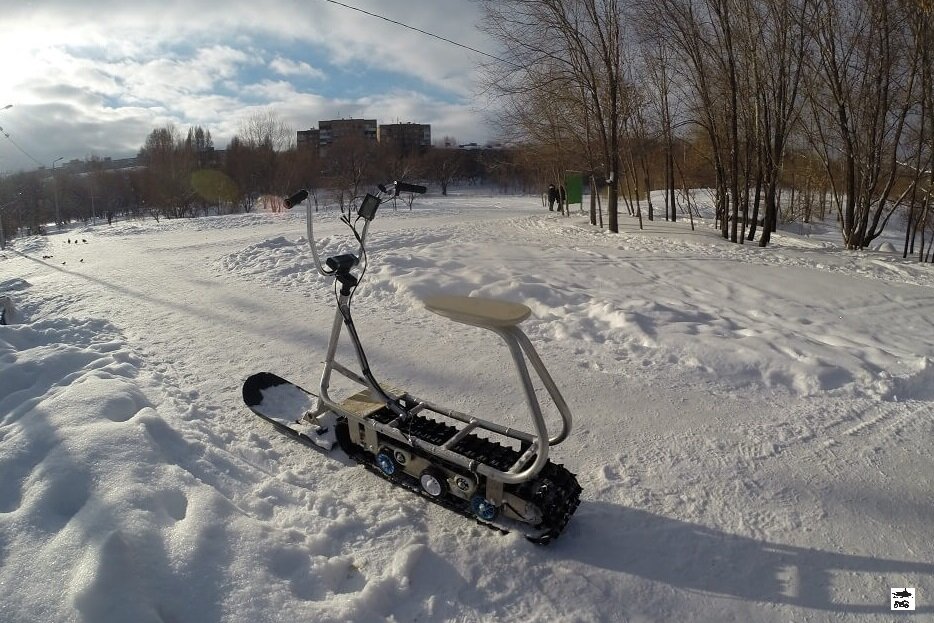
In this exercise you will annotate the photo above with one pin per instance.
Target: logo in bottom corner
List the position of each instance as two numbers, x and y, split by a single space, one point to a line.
903 598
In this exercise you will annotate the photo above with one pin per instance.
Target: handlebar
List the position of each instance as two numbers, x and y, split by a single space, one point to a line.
397 187
294 200
405 187
367 211
392 189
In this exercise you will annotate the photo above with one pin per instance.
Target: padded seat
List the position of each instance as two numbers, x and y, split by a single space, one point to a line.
477 311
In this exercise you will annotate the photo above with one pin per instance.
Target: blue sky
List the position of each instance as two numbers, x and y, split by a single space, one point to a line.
95 77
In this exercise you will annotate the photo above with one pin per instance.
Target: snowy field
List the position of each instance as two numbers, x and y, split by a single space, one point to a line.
753 427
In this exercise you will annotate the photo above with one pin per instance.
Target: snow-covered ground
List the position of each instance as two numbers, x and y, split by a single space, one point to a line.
753 427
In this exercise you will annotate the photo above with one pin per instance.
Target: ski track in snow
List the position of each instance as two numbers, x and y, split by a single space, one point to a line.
752 427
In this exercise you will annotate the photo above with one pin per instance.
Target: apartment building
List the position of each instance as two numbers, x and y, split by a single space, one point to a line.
407 138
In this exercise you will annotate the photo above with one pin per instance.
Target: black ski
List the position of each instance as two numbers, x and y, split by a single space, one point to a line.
280 402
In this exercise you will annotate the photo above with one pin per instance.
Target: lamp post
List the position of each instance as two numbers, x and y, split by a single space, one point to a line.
58 217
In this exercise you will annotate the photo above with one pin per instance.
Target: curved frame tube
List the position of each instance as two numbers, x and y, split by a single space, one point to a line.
520 348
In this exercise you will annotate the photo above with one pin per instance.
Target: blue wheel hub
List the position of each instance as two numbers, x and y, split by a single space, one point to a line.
483 508
386 463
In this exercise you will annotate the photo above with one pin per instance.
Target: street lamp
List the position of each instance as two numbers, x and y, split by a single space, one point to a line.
58 217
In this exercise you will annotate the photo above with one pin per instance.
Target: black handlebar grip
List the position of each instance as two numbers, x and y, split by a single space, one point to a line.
296 199
403 187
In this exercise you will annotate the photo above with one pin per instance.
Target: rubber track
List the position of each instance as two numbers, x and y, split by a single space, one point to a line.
555 490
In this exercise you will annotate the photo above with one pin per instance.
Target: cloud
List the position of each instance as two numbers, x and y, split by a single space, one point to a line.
63 129
88 71
287 67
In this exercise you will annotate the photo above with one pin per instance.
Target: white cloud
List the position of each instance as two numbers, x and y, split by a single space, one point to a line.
83 76
287 67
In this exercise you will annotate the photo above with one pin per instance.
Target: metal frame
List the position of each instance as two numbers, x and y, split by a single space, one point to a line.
522 352
520 349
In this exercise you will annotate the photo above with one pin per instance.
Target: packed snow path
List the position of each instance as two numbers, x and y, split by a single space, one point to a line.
753 427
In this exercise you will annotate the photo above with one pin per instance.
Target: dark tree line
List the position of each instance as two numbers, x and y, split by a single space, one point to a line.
178 175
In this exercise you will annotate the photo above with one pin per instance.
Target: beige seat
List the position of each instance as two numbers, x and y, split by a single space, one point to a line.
479 312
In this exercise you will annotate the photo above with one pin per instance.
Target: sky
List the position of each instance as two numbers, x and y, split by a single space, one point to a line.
95 77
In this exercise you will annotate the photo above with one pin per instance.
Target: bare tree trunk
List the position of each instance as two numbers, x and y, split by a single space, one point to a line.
670 184
593 200
756 198
600 211
648 186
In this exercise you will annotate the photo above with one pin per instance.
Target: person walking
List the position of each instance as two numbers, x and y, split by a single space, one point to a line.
552 197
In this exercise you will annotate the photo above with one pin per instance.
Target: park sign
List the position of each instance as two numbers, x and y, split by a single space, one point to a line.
574 186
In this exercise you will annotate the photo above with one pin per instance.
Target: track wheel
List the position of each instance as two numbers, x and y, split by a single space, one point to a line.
483 508
342 433
385 462
433 482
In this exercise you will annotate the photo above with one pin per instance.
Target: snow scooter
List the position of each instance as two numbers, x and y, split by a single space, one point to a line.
427 448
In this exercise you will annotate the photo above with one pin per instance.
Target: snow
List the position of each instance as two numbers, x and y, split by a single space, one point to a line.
752 427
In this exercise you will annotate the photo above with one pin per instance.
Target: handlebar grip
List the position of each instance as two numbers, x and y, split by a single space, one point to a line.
295 199
403 187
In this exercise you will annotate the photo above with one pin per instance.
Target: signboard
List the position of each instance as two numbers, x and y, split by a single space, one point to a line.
574 185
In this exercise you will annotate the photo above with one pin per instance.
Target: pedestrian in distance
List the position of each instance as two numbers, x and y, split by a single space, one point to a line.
552 197
562 200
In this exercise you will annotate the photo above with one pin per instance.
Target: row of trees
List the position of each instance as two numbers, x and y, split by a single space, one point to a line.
619 87
183 175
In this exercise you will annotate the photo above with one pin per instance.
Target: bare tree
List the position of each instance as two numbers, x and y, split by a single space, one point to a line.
580 43
775 44
168 171
658 64
351 163
549 119
921 130
266 128
866 75
694 29
442 166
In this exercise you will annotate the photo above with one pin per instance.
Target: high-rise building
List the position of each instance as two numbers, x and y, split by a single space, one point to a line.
337 130
308 139
407 138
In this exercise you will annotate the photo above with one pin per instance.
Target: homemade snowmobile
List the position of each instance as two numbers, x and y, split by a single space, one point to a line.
500 476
